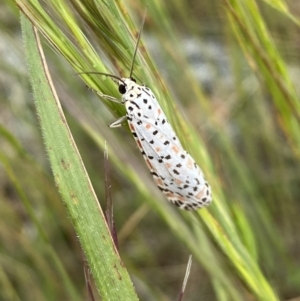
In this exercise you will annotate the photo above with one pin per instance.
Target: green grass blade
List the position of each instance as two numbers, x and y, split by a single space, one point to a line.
110 276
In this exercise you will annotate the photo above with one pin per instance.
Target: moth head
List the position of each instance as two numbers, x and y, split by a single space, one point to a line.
124 83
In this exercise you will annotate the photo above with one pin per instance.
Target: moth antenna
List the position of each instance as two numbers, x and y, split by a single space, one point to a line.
137 43
102 73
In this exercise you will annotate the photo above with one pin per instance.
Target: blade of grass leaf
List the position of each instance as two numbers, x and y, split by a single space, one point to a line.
186 277
111 278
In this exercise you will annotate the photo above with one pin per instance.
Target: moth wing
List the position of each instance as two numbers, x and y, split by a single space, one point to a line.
174 170
153 161
146 108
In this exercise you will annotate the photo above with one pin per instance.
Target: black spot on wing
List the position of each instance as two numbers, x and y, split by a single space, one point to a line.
176 172
154 174
146 91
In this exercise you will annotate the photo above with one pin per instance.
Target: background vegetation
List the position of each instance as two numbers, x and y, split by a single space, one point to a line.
226 73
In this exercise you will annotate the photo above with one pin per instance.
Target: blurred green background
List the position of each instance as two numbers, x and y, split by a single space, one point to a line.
235 81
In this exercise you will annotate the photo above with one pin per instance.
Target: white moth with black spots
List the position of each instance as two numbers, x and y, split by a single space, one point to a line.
174 170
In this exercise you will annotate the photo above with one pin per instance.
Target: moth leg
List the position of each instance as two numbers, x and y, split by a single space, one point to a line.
111 98
118 122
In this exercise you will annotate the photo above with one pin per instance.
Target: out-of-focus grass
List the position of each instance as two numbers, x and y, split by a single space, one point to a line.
245 137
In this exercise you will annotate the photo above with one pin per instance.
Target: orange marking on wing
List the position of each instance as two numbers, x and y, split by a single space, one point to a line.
178 182
190 163
159 111
139 143
149 164
159 182
169 194
175 148
168 165
148 126
175 196
158 149
200 194
131 127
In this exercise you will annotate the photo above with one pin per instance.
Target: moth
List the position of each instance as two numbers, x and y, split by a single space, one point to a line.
174 171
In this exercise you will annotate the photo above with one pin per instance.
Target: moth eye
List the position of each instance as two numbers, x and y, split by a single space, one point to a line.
133 79
122 89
